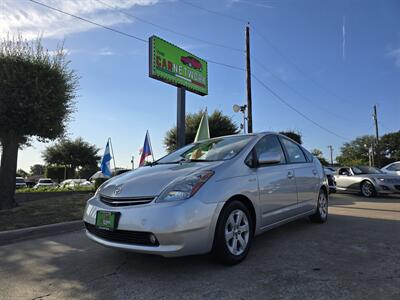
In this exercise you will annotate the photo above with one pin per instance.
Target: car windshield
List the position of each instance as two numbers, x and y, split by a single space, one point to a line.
215 149
45 181
365 170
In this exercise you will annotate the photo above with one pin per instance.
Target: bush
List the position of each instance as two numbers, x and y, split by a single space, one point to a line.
58 173
57 189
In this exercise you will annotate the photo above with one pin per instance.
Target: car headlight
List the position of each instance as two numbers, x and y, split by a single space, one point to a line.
185 188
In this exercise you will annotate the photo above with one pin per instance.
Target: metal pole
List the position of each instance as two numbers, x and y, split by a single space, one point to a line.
248 82
133 162
331 150
112 152
378 159
180 121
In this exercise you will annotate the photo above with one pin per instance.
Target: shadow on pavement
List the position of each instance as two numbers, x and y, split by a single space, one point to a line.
346 257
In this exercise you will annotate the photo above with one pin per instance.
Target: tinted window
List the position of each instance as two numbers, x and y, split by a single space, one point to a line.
394 167
310 157
295 155
270 145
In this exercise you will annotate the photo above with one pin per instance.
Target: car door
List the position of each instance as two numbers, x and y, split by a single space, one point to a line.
344 179
276 181
306 173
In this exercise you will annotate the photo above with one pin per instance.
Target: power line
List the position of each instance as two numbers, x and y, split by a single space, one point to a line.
237 19
89 21
296 110
169 29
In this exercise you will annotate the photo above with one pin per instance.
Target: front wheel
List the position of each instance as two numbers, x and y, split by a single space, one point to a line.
367 189
321 214
234 234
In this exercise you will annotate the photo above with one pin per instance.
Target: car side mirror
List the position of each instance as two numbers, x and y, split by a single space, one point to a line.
269 158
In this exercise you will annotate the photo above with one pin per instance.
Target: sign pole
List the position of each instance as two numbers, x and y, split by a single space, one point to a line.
180 121
248 83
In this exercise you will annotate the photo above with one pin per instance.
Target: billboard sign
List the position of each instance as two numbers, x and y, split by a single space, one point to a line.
176 66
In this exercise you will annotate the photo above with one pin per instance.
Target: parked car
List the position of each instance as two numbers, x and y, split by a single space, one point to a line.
214 195
368 181
45 182
71 183
393 168
330 176
20 183
30 183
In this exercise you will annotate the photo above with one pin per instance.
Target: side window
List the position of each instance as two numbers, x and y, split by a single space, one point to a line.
344 171
295 155
310 157
270 145
394 167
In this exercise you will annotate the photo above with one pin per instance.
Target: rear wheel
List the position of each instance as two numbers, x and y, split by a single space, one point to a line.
367 189
321 214
234 233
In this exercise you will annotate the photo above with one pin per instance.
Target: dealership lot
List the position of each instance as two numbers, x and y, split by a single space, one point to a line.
356 254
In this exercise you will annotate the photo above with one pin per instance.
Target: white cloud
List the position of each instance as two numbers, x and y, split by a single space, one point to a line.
32 20
395 53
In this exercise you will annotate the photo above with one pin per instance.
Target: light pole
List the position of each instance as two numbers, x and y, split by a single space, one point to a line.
242 108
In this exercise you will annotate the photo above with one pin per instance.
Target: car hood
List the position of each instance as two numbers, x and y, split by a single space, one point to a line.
384 176
151 180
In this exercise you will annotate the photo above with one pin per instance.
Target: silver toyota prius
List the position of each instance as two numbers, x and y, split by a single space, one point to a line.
211 196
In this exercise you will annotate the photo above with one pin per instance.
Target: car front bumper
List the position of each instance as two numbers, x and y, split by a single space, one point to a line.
386 188
181 228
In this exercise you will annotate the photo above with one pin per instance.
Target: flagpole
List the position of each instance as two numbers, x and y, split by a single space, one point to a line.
112 151
151 148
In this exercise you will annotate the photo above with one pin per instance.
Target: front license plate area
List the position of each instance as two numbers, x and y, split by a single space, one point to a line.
107 220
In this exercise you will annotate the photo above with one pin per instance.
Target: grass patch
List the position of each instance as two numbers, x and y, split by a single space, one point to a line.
43 212
56 189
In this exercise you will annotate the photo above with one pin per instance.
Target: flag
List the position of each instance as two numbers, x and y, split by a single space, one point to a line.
146 150
105 161
203 132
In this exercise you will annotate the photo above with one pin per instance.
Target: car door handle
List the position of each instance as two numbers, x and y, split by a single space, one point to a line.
290 175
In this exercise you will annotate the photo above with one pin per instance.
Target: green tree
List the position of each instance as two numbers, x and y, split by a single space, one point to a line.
21 173
75 154
294 135
318 154
390 147
36 169
219 125
36 100
356 151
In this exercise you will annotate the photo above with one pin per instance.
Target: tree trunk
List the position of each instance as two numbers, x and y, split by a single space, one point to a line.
8 169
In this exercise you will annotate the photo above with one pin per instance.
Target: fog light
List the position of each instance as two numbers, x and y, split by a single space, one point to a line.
153 239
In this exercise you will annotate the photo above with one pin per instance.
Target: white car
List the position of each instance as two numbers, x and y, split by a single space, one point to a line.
47 182
71 183
393 168
20 183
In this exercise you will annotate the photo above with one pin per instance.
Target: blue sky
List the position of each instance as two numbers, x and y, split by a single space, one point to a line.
117 99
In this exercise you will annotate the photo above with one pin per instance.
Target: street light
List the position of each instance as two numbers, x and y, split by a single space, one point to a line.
243 108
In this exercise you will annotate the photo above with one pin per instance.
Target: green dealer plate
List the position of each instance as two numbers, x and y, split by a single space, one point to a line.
107 219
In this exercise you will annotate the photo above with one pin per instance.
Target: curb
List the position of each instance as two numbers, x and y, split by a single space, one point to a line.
17 235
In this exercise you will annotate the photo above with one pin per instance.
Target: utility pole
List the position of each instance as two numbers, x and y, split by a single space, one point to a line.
248 82
180 121
331 150
375 115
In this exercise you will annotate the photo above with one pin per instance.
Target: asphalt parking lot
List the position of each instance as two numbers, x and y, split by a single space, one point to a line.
355 255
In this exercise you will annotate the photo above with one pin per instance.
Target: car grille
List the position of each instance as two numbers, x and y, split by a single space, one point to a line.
122 236
331 182
122 201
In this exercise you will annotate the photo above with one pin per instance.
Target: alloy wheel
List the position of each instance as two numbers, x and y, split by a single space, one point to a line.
323 205
237 232
367 189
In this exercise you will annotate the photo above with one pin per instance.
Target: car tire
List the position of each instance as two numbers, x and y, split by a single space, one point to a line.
321 213
233 234
367 189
